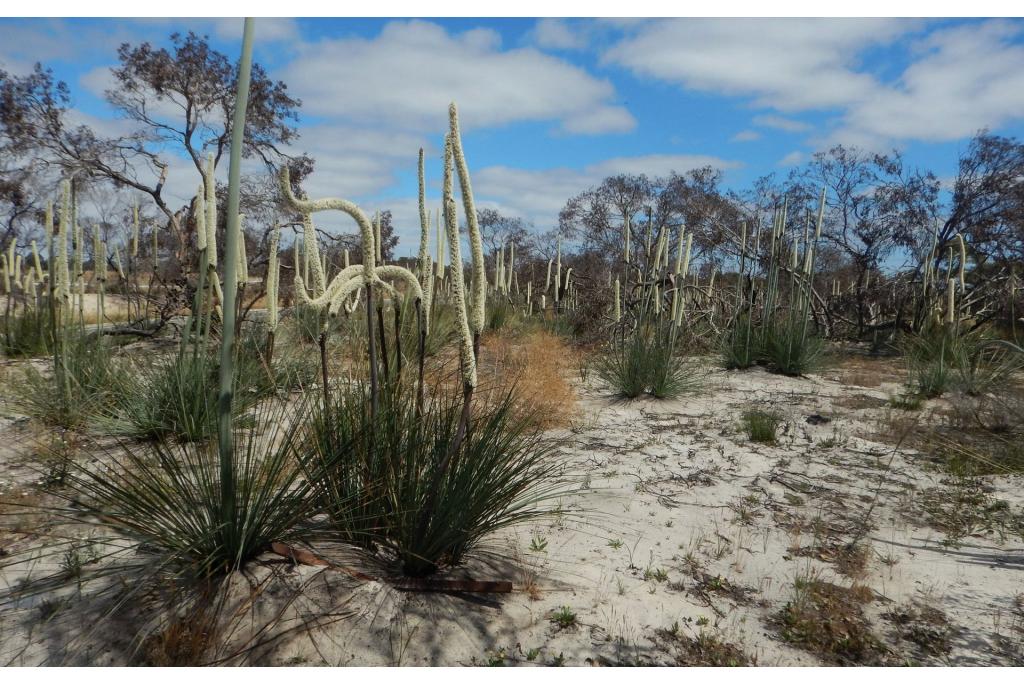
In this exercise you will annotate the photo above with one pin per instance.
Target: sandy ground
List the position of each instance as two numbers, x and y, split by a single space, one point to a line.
676 527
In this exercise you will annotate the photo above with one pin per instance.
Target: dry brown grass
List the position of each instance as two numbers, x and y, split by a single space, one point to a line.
828 620
538 365
870 372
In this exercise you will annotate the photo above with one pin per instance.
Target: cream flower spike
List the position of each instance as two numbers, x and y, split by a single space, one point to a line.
348 280
469 207
457 279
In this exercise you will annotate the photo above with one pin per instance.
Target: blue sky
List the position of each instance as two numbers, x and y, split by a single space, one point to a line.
549 107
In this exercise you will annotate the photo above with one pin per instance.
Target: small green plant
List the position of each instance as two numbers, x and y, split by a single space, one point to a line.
658 575
564 618
538 544
615 544
906 401
77 556
762 426
836 439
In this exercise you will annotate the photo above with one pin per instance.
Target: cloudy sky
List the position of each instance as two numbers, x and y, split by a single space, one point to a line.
550 107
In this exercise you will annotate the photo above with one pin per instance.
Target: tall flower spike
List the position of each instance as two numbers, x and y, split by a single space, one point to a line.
558 268
243 258
423 262
311 256
95 250
424 224
660 251
36 263
686 255
475 241
679 250
963 259
273 274
101 263
511 265
11 246
79 248
457 279
63 273
376 236
211 213
499 269
201 220
951 301
48 226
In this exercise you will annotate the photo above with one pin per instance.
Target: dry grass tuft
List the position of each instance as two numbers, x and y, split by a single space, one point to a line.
538 364
706 649
925 626
850 559
828 620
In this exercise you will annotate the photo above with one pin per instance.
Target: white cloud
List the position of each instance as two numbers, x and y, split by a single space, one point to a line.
965 78
786 64
406 76
265 30
745 136
556 34
356 162
538 195
792 159
781 123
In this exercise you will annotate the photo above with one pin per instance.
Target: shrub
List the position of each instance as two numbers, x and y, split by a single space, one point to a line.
739 347
762 426
984 364
288 370
393 486
159 520
789 349
176 396
442 331
500 314
647 361
82 381
28 334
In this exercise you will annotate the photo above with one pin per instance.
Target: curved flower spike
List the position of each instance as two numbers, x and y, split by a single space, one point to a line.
349 279
350 208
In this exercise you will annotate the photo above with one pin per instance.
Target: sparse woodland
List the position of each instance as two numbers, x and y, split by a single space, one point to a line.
690 425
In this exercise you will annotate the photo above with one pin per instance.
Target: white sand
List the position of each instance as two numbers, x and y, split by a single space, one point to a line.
675 487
